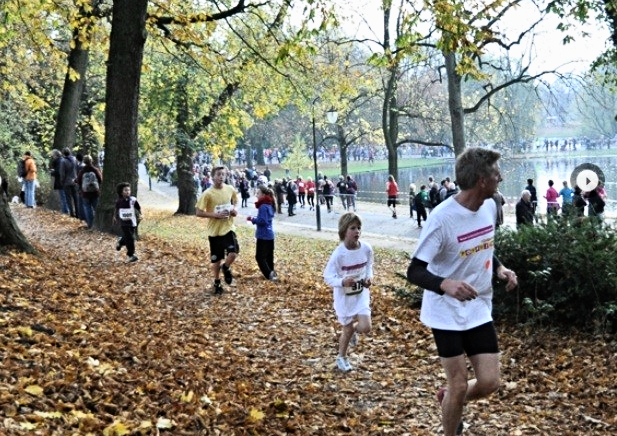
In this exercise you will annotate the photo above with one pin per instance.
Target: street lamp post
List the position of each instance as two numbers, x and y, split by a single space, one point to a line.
332 116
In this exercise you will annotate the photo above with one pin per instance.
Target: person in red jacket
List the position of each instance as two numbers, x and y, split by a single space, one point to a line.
392 190
310 193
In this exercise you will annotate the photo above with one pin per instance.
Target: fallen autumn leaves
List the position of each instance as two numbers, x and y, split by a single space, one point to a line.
92 345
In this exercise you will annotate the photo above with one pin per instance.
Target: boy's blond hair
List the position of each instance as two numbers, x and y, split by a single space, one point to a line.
345 221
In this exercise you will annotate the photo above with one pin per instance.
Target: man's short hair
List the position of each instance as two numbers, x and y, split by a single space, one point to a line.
473 164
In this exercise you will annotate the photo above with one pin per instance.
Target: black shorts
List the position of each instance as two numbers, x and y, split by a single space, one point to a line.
392 200
220 246
478 340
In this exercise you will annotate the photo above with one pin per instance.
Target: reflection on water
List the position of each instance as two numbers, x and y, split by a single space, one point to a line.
515 173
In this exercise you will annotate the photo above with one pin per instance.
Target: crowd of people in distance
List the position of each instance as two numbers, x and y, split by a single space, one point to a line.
572 207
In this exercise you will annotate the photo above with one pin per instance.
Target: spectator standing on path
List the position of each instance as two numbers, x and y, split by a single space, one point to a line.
500 201
127 213
56 161
596 205
29 180
79 158
566 195
350 273
292 196
218 205
244 188
267 173
392 191
68 174
552 206
454 262
524 210
534 197
578 202
412 196
89 180
420 202
279 190
264 232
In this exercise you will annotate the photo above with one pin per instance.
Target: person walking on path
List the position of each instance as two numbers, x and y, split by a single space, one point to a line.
264 232
29 179
421 200
392 191
350 273
89 180
218 205
454 262
310 193
328 194
127 211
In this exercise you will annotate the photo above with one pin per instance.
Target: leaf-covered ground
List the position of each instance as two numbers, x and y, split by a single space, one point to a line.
92 345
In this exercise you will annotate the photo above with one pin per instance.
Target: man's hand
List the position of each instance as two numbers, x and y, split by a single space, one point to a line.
459 289
504 273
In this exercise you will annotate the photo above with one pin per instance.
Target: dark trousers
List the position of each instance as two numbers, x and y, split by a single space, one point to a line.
301 197
71 199
311 200
128 239
421 214
264 255
328 201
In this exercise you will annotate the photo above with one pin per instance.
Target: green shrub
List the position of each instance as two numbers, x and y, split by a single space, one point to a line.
566 275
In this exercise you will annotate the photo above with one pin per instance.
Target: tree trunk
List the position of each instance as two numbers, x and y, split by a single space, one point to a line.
187 194
68 111
184 153
10 234
127 40
390 121
455 104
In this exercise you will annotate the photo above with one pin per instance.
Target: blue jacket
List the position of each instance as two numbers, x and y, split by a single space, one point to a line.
263 221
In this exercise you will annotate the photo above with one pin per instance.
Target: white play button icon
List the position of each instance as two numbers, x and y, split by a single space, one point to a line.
587 180
587 176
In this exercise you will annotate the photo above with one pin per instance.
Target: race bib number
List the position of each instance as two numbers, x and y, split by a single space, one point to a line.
222 208
126 214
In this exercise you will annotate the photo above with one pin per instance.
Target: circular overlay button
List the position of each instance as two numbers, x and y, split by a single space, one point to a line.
587 176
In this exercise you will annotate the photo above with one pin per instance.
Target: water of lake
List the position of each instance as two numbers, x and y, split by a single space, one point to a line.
515 173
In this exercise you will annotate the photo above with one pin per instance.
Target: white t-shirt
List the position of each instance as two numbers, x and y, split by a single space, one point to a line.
345 263
458 244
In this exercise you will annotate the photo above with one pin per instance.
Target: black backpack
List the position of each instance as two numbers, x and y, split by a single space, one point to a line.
21 168
434 195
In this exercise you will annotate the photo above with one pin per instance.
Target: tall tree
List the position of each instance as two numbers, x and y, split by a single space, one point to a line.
126 49
82 25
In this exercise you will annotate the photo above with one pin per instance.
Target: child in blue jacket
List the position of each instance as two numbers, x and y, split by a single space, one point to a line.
264 233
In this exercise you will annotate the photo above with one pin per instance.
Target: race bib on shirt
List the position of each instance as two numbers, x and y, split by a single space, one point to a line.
222 208
126 214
